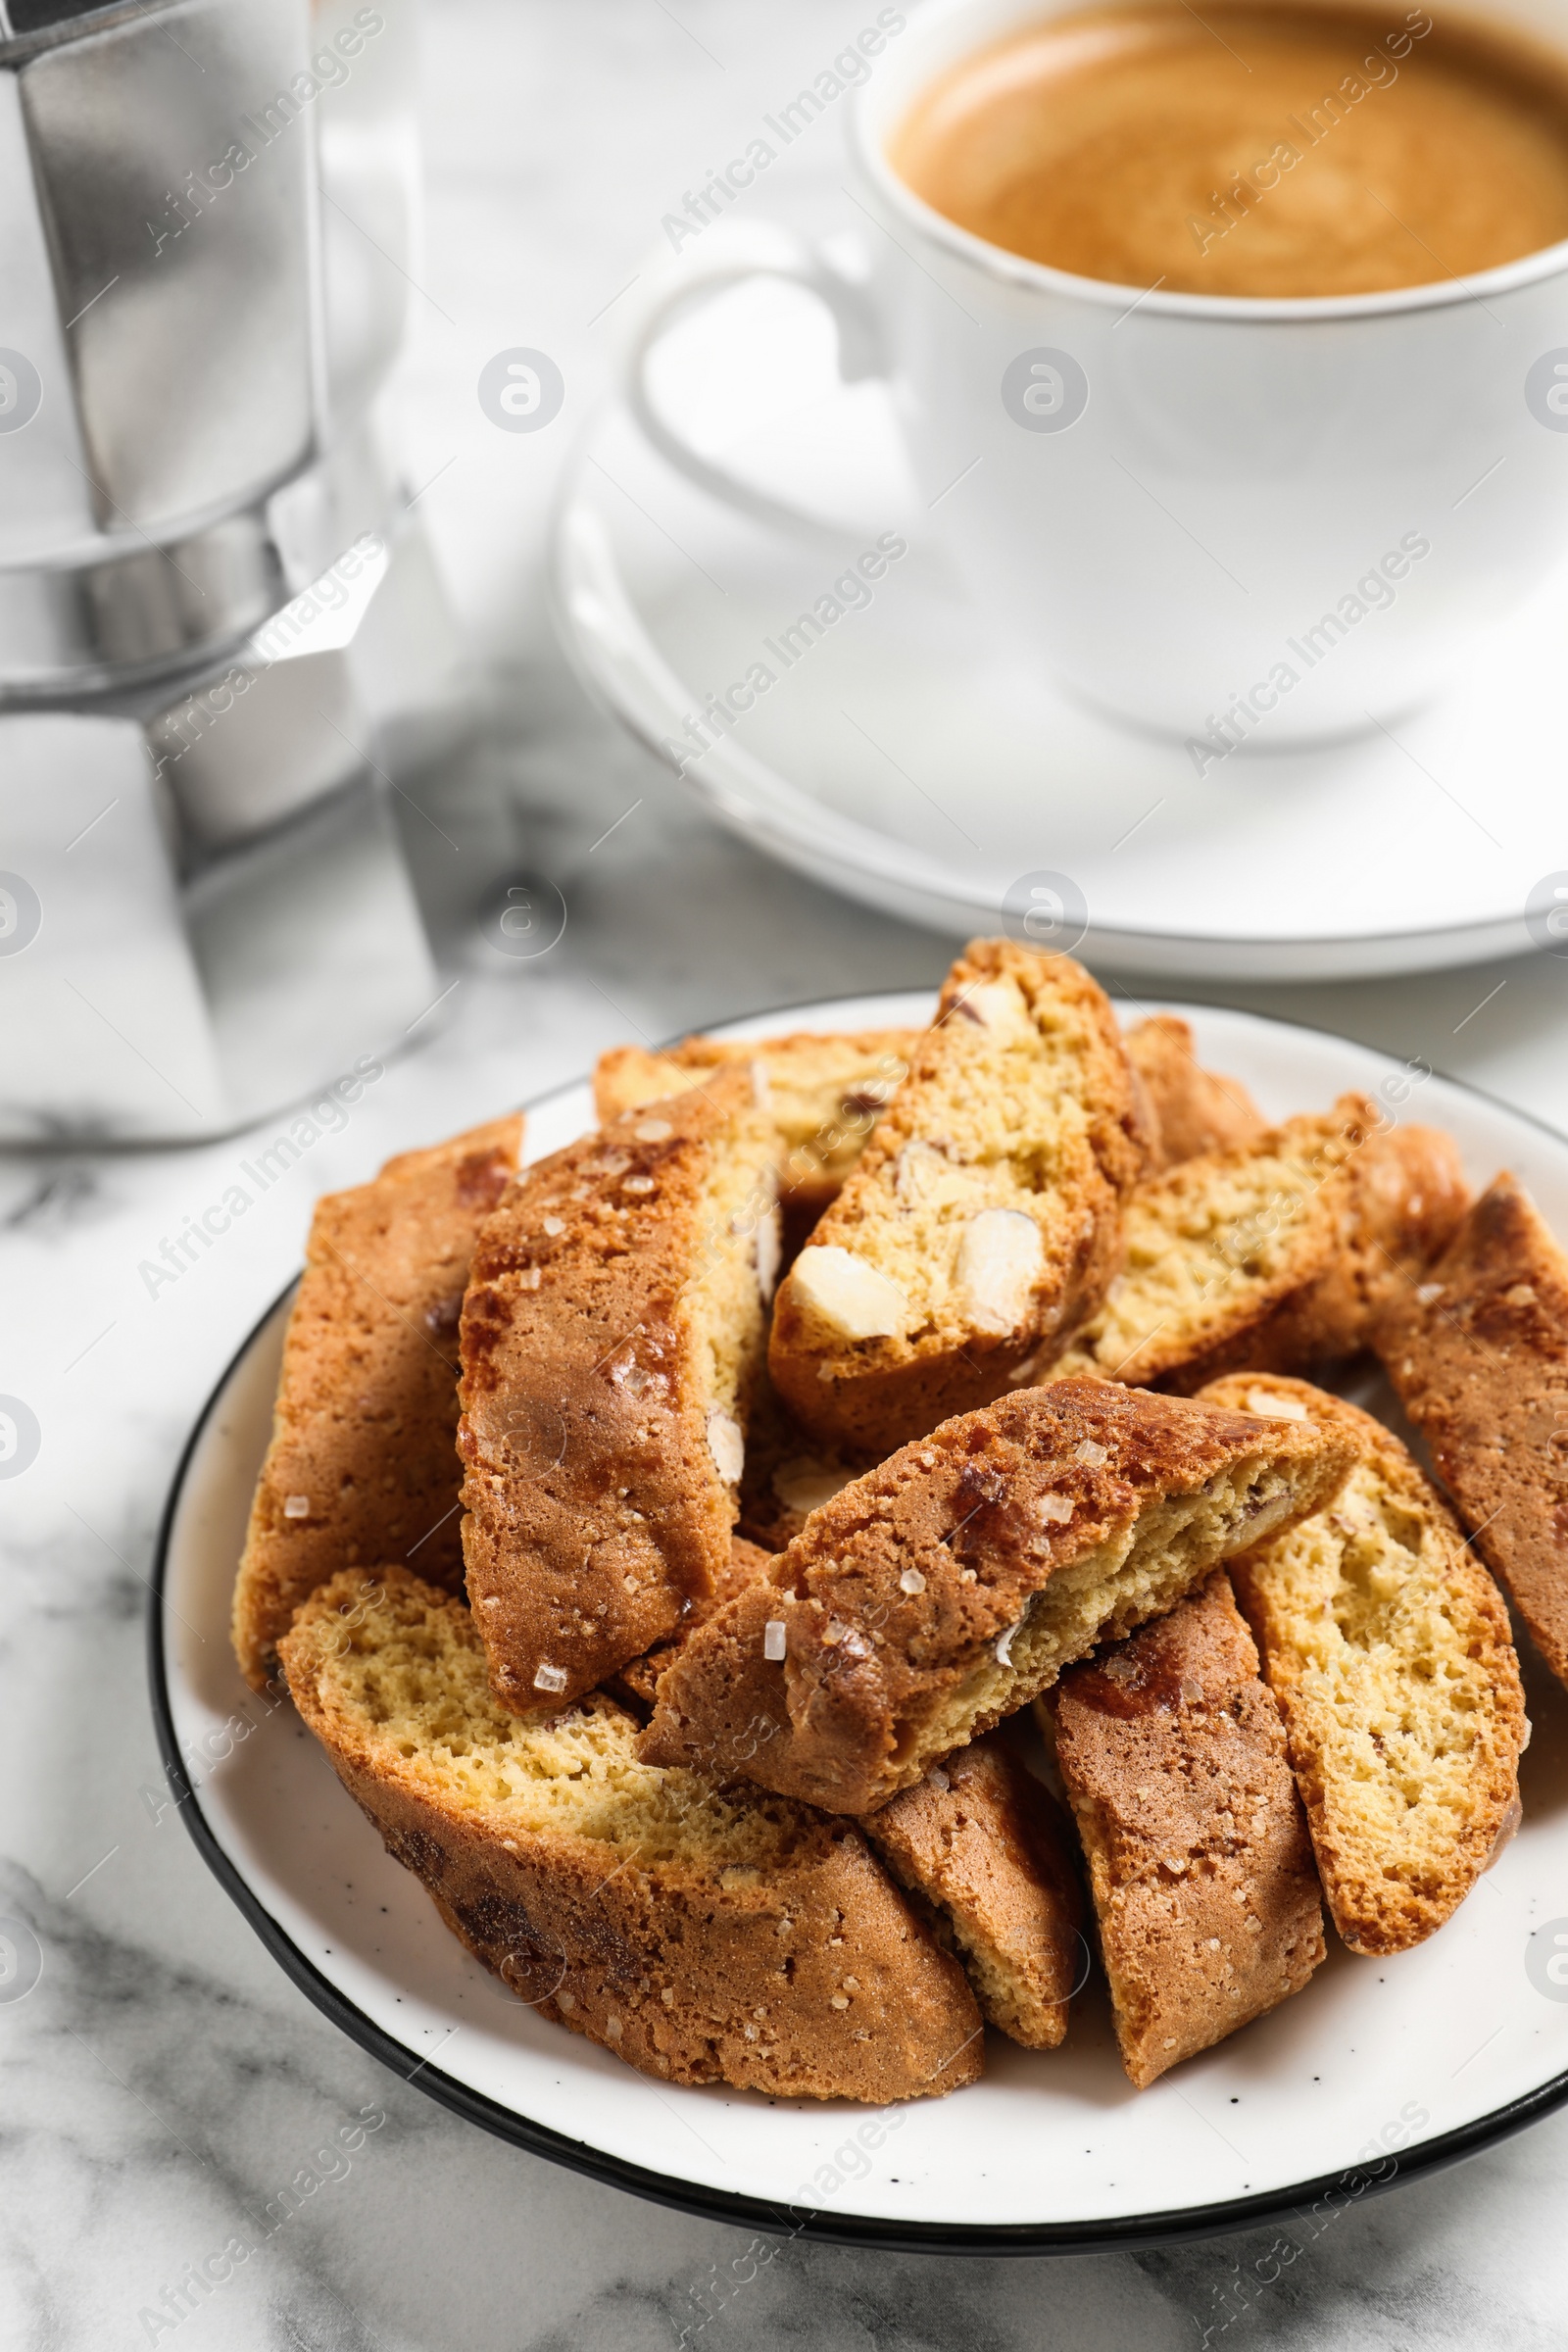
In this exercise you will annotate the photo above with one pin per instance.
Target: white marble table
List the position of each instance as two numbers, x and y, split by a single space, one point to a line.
163 2077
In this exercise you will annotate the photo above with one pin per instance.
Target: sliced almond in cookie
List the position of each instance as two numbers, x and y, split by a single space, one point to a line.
612 1334
1172 1754
990 1849
361 1464
983 1218
1387 1645
948 1587
701 1937
832 1291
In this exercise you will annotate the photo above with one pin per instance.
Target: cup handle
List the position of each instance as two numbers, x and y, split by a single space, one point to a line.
859 356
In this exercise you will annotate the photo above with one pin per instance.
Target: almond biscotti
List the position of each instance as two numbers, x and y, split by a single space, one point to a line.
363 1462
823 1093
1407 1194
1171 1751
1478 1354
1224 1253
612 1327
704 1937
1192 1109
990 1849
983 1219
945 1589
1387 1645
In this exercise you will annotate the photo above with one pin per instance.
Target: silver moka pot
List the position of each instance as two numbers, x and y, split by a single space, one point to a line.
222 640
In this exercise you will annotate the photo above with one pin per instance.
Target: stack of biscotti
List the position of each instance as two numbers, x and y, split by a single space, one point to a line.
706 1937
616 1324
727 1765
945 1589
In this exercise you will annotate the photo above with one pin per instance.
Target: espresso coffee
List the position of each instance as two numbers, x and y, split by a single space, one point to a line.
1289 150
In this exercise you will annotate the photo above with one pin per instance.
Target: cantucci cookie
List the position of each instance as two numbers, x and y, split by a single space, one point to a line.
1171 1751
704 1937
1385 1643
945 1589
1407 1195
612 1331
1478 1352
363 1462
1224 1253
983 1219
990 1849
824 1093
1192 1109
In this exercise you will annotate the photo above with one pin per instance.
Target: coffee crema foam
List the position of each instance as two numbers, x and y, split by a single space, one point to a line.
1287 151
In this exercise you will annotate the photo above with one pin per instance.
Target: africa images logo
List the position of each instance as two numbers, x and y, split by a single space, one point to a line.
1547 1959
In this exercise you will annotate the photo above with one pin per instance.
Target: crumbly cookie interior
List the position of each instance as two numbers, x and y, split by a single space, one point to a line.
1139 1571
1387 1686
1021 1078
1207 1232
411 1678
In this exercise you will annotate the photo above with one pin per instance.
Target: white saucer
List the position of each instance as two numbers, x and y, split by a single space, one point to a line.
1379 2071
916 761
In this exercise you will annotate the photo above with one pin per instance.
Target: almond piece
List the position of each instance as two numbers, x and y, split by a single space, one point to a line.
840 1289
726 1442
1000 1261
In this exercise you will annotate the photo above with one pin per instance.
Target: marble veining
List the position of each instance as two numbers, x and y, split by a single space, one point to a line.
169 2100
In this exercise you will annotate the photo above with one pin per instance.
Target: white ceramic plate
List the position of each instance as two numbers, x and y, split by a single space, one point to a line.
1378 2070
918 759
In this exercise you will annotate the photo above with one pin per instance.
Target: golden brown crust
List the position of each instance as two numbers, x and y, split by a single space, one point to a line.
1478 1354
800 1972
599 1438
1193 1110
1225 1253
636 1685
1387 1645
1406 1196
1173 1757
365 1428
824 1093
984 1842
984 1210
943 1589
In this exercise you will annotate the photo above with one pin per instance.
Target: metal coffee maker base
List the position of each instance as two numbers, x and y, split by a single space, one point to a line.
206 908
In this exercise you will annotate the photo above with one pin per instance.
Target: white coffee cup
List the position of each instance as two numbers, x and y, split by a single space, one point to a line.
1239 522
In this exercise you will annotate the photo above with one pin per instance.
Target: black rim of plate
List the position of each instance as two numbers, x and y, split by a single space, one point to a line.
1129 2231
